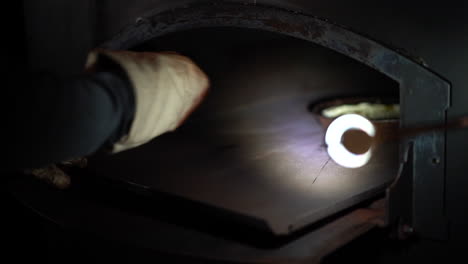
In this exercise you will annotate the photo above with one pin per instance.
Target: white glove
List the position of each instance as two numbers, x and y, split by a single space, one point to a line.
167 86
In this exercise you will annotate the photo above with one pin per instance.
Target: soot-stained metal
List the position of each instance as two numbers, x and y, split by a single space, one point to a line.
424 95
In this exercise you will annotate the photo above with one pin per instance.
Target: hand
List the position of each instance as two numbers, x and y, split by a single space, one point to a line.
167 86
55 174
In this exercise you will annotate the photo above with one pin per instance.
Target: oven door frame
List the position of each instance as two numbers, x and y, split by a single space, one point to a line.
416 199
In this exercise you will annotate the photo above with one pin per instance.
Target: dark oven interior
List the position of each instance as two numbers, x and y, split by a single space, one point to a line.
247 178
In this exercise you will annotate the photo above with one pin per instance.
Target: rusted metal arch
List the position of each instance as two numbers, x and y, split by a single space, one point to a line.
419 86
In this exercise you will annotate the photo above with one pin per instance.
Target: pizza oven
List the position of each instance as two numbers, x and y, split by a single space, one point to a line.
248 179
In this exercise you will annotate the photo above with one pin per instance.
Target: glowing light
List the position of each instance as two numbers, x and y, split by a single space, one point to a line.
337 150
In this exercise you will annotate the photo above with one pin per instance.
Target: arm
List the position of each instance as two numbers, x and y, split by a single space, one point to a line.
127 99
56 119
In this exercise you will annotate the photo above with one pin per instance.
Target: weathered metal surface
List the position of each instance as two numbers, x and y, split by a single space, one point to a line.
294 24
416 82
122 218
400 211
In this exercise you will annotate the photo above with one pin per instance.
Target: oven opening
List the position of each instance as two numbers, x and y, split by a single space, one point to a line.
254 154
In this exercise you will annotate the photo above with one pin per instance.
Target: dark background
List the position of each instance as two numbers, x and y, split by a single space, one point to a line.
58 33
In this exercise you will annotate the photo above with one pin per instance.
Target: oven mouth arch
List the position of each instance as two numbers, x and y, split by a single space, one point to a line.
414 77
424 94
